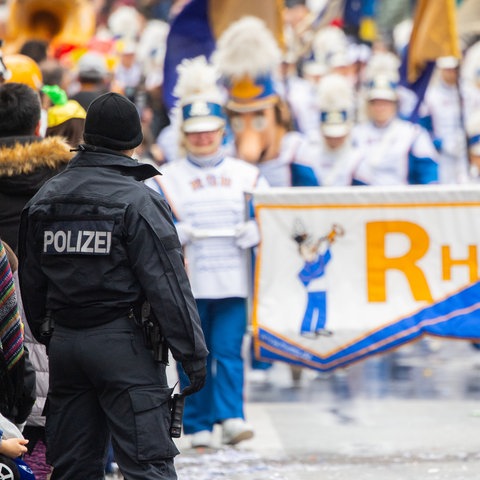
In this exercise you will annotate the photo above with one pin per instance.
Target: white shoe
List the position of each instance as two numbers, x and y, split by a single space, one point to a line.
203 438
236 430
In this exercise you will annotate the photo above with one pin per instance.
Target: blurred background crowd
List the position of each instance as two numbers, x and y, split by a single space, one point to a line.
338 76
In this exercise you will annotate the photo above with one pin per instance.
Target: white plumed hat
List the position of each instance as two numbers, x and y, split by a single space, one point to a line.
151 51
382 86
382 63
200 100
247 55
330 48
335 100
124 22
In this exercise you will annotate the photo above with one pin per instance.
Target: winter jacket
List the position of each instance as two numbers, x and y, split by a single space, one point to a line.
26 163
97 225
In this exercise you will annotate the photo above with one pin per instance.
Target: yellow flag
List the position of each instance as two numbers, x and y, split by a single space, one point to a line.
434 35
224 12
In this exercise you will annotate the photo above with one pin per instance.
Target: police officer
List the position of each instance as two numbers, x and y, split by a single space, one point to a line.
95 244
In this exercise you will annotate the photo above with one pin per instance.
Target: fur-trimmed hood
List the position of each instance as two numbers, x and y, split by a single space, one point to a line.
26 163
24 155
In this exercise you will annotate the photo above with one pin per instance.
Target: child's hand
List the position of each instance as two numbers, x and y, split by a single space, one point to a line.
13 447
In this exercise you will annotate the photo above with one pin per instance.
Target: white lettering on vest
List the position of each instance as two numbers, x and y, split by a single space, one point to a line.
83 241
86 246
47 239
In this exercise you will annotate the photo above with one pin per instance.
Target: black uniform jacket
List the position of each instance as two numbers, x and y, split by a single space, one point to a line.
95 241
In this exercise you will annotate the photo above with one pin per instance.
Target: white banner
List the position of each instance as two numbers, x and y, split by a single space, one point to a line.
347 272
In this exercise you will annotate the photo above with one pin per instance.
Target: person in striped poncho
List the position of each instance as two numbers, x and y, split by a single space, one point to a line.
16 396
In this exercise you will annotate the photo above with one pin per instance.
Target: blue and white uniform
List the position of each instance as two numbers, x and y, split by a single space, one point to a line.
442 116
400 153
289 169
333 167
209 198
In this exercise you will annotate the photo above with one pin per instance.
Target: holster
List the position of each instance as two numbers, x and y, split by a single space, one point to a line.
152 335
46 328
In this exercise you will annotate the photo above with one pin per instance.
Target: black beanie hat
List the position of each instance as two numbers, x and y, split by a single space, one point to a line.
113 122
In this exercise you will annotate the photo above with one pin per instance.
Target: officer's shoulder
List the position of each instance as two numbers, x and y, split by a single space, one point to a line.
148 196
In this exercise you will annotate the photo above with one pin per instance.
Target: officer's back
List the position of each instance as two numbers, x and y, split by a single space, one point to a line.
95 245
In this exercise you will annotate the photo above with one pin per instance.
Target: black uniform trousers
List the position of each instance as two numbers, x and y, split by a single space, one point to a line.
103 380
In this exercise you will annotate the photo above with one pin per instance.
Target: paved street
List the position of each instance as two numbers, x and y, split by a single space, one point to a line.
390 440
409 415
413 414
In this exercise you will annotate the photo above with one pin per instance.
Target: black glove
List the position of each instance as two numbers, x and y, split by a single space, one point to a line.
197 379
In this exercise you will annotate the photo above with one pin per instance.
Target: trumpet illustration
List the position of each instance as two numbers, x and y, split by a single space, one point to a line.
316 254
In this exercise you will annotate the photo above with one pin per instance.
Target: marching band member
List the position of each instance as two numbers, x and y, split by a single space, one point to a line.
385 63
444 118
391 151
205 189
332 156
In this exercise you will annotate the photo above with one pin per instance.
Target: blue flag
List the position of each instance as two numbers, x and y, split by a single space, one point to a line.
197 27
419 86
190 36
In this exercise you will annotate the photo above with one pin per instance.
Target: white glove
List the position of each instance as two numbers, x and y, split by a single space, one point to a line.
185 232
247 234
